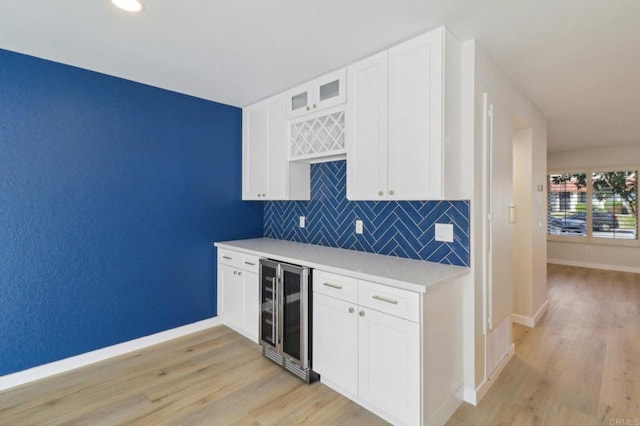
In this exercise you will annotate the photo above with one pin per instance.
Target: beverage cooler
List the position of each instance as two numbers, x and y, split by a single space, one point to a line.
285 316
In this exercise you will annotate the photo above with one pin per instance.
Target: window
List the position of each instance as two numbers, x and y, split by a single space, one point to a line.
594 204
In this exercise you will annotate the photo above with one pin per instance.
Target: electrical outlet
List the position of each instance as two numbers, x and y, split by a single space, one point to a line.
303 221
359 227
444 232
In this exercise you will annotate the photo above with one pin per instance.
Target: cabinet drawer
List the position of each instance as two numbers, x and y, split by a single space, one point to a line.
246 262
398 302
334 285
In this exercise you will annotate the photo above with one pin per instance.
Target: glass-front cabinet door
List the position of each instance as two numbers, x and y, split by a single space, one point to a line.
299 101
323 92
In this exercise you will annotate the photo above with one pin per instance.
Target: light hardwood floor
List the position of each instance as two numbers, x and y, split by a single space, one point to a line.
580 366
214 377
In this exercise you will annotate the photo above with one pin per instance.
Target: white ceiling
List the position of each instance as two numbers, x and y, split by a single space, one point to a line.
577 60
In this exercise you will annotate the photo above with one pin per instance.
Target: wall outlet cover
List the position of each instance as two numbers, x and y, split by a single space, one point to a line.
444 232
303 221
359 227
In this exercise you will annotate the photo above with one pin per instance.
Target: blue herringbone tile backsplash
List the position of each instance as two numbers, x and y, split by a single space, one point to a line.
397 228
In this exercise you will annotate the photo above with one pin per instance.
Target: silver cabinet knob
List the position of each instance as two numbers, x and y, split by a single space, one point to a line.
361 313
351 310
315 106
239 273
259 195
308 108
264 195
392 192
380 193
235 272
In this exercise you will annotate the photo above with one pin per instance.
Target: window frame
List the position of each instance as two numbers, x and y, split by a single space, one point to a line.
589 238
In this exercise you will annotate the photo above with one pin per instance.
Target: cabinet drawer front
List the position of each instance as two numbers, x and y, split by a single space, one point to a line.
334 285
246 262
400 303
249 263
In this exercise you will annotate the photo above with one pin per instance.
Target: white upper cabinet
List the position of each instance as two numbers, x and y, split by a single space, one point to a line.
415 119
366 129
395 122
396 117
266 171
323 92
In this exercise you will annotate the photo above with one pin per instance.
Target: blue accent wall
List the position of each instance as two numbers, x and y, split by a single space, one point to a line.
403 229
111 193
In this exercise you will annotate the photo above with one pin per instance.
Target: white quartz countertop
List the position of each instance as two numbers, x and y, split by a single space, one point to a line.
409 274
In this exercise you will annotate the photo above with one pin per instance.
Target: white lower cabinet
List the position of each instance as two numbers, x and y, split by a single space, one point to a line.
335 342
238 292
377 345
389 364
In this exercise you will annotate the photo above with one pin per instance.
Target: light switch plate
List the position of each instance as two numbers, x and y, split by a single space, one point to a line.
359 227
444 232
303 221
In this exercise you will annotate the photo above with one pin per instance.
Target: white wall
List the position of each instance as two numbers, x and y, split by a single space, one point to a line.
488 78
530 237
596 254
523 245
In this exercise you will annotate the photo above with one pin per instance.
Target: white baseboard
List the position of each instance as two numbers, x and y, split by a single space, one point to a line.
531 322
67 364
445 412
473 396
619 268
470 396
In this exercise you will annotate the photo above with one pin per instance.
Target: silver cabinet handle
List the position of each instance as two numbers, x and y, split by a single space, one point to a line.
308 108
336 286
227 257
351 310
361 313
259 195
239 273
380 193
384 299
235 272
392 192
249 263
315 106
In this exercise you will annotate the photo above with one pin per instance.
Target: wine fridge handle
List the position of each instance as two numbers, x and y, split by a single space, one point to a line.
280 307
274 307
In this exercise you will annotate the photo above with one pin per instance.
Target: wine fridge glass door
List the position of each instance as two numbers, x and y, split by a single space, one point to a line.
268 302
294 305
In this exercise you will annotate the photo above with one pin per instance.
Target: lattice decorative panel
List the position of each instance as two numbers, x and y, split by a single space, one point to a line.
397 228
318 136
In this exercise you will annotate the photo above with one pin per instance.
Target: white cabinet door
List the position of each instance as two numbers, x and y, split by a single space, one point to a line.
330 90
335 342
238 295
299 100
415 144
389 365
251 304
366 127
254 151
230 296
264 151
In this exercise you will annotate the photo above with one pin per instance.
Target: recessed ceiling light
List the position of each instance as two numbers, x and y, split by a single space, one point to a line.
128 5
